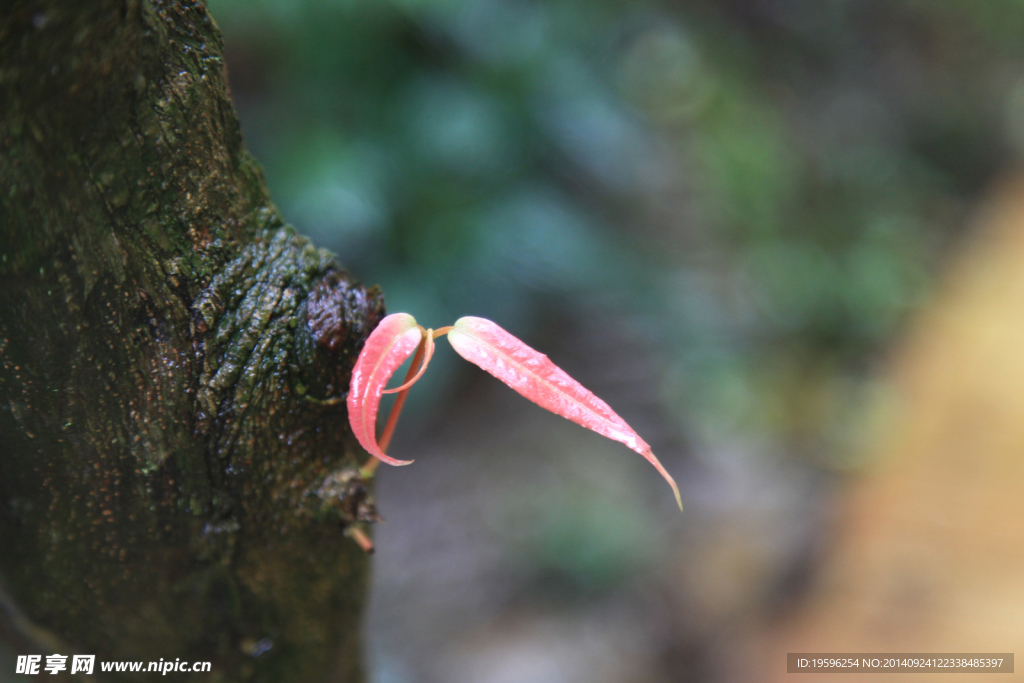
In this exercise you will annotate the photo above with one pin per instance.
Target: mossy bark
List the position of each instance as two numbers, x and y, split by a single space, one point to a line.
174 477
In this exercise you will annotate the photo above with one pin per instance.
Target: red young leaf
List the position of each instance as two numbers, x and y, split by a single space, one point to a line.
535 377
390 343
429 349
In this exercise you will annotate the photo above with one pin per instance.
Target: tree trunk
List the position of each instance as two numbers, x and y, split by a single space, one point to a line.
175 477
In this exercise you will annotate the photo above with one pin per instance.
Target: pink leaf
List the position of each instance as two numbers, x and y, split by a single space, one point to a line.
535 377
429 349
390 343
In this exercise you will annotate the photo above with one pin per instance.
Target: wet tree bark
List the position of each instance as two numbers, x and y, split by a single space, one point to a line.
175 478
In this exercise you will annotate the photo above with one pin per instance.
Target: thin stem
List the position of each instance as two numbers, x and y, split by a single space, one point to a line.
441 331
396 410
359 536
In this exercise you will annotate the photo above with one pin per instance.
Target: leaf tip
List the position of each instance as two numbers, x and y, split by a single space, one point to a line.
653 459
675 489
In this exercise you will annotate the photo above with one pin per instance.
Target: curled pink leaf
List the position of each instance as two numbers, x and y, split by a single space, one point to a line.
387 347
429 341
535 377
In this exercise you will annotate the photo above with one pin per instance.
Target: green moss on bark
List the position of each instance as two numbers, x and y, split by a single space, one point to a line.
168 452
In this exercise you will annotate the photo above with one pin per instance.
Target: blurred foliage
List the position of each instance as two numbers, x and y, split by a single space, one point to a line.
764 186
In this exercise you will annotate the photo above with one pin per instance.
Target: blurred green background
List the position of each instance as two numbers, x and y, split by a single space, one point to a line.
716 214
